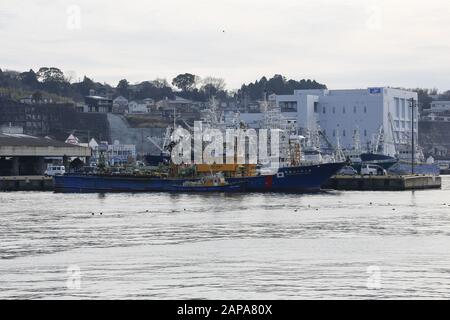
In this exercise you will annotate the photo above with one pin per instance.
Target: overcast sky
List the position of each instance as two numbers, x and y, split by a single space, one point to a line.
344 44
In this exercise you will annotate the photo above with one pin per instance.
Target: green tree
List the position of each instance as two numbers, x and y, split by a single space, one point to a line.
424 98
213 87
184 82
160 83
278 84
444 96
29 79
123 88
85 86
53 80
52 74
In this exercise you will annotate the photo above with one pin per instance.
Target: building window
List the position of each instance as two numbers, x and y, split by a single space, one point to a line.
343 132
324 110
403 109
343 109
397 107
334 133
334 109
365 109
365 132
316 107
354 109
288 106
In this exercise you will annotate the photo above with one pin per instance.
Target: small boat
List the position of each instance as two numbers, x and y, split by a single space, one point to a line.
379 159
406 168
405 165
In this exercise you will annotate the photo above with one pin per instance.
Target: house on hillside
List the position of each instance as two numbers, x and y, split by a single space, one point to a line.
120 105
137 106
31 99
27 100
178 103
81 107
439 111
99 104
146 105
184 109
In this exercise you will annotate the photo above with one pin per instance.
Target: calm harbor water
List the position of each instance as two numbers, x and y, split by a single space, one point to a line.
364 245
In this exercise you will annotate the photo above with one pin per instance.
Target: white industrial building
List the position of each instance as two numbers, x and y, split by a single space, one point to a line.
341 113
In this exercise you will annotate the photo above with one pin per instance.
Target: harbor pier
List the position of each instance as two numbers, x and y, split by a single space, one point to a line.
384 183
26 183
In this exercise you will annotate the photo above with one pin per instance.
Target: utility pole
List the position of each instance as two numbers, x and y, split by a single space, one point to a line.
413 151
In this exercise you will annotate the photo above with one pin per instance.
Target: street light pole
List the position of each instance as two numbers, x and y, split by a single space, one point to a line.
413 104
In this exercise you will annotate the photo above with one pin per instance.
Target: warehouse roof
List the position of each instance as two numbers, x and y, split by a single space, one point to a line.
9 139
25 145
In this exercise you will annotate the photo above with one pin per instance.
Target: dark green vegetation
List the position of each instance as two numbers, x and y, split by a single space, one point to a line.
51 83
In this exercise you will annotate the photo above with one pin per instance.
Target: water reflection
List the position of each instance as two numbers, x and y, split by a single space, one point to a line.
253 246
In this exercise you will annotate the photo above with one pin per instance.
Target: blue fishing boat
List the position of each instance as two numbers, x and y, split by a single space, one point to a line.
287 179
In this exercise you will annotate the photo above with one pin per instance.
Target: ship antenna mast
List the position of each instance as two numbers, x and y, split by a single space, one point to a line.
413 151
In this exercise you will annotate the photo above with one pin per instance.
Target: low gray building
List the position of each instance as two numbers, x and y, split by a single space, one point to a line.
28 155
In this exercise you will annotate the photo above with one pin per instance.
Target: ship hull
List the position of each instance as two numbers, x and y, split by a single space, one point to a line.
385 164
289 179
370 157
381 160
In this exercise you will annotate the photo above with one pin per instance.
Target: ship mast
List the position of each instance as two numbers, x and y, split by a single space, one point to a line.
357 140
413 151
339 152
